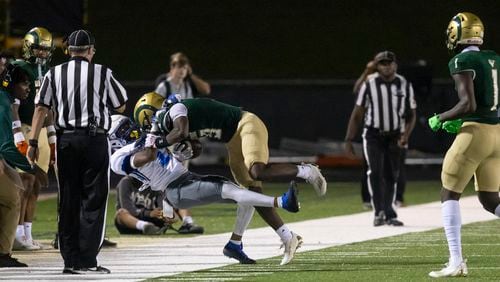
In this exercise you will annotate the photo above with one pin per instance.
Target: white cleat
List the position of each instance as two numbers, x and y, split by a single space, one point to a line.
291 247
451 271
317 180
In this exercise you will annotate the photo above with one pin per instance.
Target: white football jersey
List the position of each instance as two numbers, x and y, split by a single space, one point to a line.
157 174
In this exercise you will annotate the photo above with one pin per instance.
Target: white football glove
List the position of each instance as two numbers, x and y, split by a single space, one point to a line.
150 140
183 151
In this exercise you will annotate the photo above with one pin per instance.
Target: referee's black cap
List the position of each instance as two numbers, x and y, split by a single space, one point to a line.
80 39
385 56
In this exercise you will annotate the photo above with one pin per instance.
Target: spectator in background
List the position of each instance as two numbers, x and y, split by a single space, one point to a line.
381 103
181 80
371 67
5 58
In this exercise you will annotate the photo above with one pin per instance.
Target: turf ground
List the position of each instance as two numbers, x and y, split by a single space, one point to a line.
405 257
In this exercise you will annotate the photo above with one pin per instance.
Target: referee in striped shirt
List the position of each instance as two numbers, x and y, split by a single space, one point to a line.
82 95
386 104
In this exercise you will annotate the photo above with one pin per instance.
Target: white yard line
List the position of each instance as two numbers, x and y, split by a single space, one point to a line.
156 257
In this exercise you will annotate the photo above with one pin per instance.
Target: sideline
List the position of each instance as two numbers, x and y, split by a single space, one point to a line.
153 257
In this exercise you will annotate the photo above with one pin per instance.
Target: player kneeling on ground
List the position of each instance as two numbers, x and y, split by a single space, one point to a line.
162 170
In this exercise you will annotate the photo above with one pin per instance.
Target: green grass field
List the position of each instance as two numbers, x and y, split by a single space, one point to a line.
407 257
342 198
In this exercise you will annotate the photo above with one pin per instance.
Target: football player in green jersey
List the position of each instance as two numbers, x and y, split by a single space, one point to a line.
245 136
476 149
37 52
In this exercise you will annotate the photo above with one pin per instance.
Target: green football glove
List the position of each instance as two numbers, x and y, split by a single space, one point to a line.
435 123
452 126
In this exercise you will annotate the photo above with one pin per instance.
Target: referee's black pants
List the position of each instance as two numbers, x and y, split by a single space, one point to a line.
382 155
83 169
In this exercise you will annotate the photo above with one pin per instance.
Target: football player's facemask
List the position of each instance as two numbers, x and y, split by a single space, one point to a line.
145 109
38 46
123 131
463 29
162 121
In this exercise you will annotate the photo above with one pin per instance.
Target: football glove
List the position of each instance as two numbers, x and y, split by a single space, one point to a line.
435 123
150 140
21 144
183 151
453 126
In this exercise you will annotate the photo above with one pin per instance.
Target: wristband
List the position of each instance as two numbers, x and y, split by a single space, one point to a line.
33 143
16 124
17 101
52 139
19 137
50 129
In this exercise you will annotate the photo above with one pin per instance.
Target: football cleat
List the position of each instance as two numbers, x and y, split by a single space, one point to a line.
190 229
317 180
236 251
151 229
289 199
451 271
291 247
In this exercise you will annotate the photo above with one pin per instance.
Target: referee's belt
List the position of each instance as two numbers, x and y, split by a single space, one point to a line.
81 131
384 133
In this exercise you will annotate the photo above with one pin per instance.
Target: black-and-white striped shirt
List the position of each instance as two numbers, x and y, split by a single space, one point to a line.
80 91
386 102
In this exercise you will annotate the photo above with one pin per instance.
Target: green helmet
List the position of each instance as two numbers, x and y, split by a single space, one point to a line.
36 41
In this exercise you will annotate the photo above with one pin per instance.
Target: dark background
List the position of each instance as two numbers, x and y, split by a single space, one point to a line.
312 50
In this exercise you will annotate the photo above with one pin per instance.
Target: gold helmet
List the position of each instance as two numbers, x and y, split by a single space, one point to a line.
146 107
41 39
464 28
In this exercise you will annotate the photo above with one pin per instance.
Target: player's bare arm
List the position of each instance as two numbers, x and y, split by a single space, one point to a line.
180 130
352 129
408 127
467 103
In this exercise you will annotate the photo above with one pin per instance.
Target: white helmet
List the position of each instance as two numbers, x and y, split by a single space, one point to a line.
123 131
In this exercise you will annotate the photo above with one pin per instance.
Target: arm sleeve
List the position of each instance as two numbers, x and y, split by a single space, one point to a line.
7 147
178 110
44 96
116 93
120 160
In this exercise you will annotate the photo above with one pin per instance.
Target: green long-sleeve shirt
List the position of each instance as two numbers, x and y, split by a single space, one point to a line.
8 150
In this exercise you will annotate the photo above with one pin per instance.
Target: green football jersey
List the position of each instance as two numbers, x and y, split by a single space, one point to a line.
212 119
27 107
484 65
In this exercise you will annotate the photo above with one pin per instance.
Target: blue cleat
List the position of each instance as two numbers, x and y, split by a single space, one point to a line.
236 251
290 202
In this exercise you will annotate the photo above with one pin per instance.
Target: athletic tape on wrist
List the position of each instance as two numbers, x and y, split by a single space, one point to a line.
52 139
19 137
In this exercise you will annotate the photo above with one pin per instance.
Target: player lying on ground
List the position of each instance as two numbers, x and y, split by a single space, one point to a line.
163 170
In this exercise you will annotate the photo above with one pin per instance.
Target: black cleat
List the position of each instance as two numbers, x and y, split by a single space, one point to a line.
190 229
7 261
394 222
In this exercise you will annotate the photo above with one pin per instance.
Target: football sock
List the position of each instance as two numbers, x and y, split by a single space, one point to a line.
452 223
279 200
235 242
245 197
497 211
284 233
27 231
244 215
303 171
187 220
140 225
20 231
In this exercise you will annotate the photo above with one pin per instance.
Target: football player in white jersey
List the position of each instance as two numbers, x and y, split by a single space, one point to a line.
162 170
